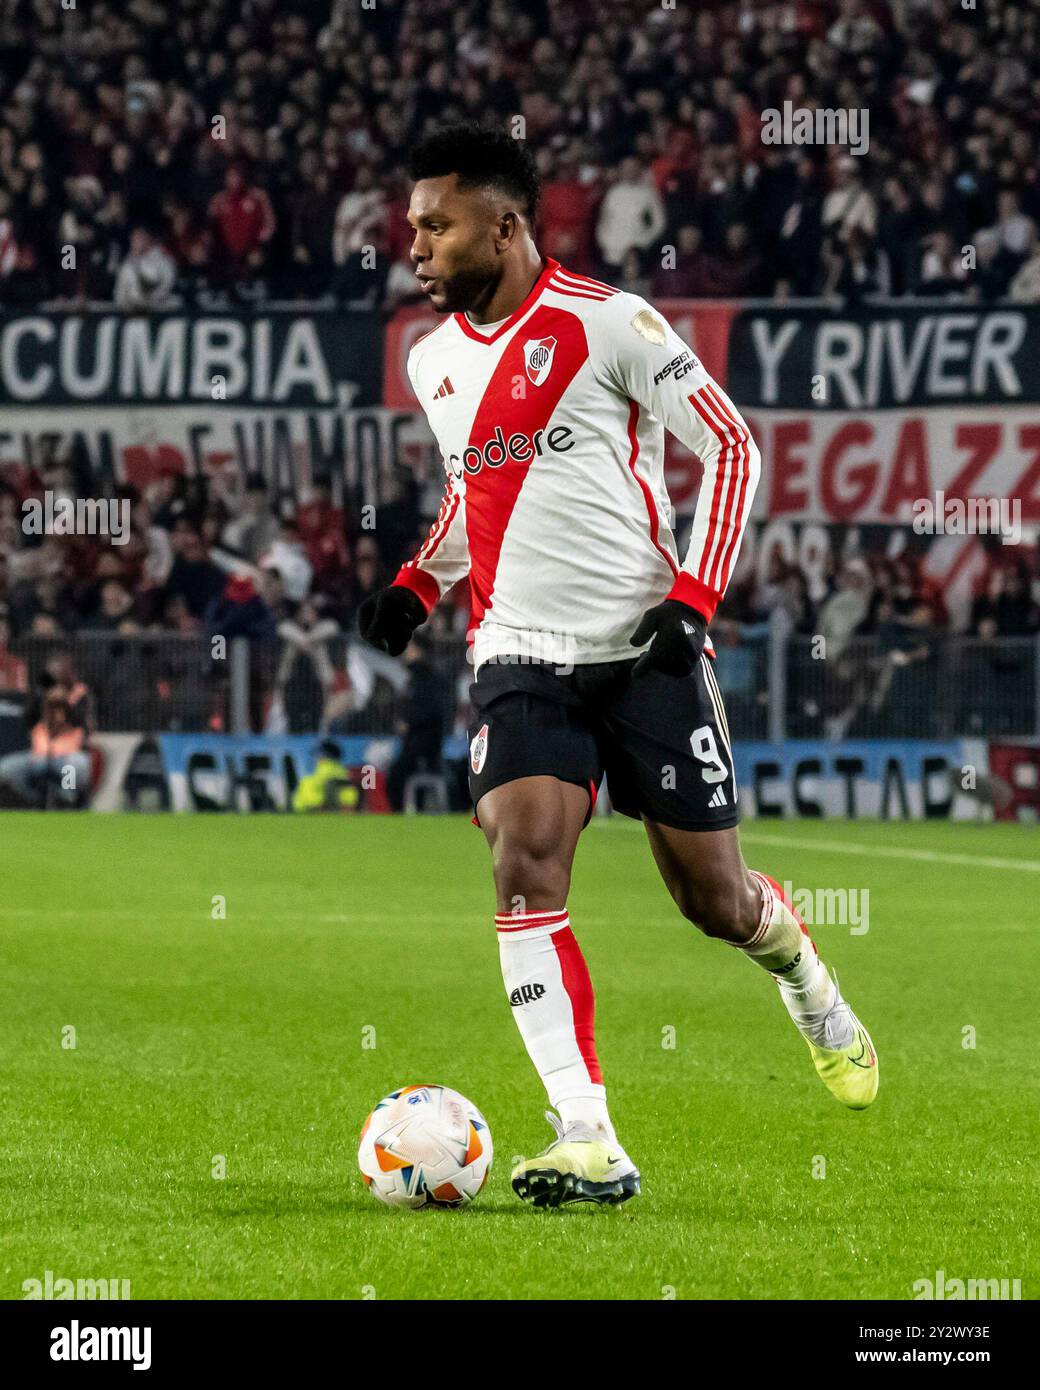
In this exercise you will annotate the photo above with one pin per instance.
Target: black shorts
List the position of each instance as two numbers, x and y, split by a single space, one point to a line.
661 740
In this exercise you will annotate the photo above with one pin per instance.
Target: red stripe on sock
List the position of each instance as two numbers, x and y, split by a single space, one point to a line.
527 921
578 984
788 904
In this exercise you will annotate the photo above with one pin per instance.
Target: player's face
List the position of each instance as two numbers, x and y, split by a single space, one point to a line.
454 244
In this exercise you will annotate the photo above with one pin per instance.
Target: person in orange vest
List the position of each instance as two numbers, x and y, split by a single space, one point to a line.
56 756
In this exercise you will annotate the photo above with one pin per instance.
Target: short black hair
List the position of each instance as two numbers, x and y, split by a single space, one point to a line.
481 156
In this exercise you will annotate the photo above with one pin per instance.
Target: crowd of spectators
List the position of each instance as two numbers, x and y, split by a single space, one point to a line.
259 148
864 594
207 560
871 653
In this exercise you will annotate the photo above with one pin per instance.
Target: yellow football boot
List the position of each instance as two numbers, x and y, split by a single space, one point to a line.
578 1166
850 1073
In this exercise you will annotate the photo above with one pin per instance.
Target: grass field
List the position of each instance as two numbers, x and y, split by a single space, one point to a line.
242 1037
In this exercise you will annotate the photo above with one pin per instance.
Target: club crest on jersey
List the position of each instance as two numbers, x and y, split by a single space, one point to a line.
538 358
478 751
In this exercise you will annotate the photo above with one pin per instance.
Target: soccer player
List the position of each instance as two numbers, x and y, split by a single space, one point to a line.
548 394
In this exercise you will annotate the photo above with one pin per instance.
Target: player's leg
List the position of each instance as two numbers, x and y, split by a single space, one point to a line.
534 762
712 887
672 765
532 825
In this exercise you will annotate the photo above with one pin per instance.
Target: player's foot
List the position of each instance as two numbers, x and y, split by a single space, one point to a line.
844 1056
578 1166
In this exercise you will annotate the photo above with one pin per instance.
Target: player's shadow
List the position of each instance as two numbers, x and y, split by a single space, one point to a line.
324 1203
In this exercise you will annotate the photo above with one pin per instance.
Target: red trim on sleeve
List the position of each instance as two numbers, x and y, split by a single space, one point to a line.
648 497
697 595
420 583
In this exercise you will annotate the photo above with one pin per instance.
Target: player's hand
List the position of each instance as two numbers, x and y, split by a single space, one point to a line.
388 618
678 632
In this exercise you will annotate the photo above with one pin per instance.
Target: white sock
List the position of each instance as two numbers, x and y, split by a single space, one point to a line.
782 946
548 985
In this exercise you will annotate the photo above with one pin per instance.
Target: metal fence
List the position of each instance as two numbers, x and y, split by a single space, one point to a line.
776 685
168 683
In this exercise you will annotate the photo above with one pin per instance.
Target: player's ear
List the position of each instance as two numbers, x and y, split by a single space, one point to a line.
508 229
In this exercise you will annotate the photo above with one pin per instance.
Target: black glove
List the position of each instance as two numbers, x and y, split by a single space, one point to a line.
388 619
678 632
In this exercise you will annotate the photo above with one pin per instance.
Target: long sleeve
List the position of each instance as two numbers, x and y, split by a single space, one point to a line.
443 558
645 358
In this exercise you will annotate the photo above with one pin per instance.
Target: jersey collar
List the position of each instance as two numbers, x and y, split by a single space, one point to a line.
551 267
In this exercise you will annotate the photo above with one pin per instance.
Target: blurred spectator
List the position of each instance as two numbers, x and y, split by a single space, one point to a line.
1006 609
330 786
631 217
147 276
568 207
322 530
420 722
60 673
734 272
847 607
239 611
305 674
849 203
14 673
942 266
243 223
855 267
193 575
357 237
1025 287
256 527
288 557
688 278
56 762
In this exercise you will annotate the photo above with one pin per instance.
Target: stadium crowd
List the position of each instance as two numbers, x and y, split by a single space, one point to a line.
260 149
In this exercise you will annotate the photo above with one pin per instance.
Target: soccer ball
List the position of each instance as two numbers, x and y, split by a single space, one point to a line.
425 1146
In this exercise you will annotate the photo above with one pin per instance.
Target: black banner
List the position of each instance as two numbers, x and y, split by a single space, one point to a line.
278 358
823 358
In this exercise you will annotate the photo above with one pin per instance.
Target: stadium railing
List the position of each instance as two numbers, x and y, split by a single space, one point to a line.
904 683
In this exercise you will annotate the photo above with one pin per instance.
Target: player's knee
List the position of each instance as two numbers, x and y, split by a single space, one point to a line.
726 909
529 872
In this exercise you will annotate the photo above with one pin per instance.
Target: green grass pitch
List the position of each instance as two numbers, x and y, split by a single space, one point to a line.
197 1037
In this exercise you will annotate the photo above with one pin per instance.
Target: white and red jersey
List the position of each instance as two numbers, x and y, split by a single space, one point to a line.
551 427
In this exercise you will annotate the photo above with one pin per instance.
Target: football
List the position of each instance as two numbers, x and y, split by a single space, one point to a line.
425 1146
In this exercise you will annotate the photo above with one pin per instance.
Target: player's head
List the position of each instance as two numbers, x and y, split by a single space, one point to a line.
473 205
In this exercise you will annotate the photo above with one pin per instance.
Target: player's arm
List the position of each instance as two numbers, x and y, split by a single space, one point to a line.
388 618
645 358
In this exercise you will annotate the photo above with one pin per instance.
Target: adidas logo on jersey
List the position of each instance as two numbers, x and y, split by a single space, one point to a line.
526 994
444 389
